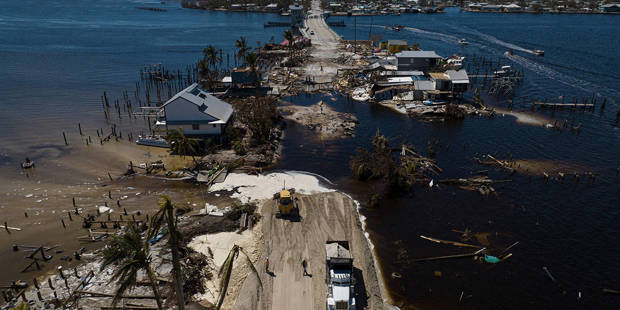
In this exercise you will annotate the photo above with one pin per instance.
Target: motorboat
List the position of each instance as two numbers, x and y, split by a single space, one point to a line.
539 52
156 141
455 61
505 71
463 41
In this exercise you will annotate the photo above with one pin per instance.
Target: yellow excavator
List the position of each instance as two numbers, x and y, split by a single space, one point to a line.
286 205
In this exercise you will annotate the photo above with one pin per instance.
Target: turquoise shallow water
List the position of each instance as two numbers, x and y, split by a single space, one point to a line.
57 58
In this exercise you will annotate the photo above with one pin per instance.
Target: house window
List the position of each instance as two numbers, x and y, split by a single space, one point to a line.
195 126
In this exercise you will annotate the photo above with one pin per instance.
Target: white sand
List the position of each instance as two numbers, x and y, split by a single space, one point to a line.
220 245
255 188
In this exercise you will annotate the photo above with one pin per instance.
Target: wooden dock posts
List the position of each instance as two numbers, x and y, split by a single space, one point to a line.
65 137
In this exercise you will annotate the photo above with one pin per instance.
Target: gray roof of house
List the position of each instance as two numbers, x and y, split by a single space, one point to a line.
295 7
460 75
423 85
205 102
417 54
397 42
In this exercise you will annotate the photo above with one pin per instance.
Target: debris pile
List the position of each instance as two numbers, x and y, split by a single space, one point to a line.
322 119
481 184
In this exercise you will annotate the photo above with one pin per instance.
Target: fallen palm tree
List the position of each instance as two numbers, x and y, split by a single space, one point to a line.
492 161
399 166
482 184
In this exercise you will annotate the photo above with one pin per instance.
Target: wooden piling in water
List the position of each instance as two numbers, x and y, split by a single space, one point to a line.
64 137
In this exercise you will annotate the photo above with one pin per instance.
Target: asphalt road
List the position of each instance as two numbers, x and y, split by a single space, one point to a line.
314 22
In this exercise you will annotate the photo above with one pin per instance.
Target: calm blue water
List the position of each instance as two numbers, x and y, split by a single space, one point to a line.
57 58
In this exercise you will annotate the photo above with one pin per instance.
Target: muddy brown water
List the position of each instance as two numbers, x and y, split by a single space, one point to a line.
62 173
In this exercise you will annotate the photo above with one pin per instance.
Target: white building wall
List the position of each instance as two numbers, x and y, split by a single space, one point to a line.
205 129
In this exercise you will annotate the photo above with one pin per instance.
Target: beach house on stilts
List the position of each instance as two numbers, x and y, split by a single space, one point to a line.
197 113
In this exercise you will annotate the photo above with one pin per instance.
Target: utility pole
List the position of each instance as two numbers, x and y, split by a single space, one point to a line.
370 33
355 30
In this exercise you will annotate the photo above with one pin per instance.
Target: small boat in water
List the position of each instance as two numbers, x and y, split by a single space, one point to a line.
27 164
455 61
157 141
505 71
463 41
539 52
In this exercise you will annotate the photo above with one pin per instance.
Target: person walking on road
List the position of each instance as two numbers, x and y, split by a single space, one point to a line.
304 264
267 264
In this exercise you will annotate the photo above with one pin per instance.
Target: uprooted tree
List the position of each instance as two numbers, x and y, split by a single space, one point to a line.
399 166
260 115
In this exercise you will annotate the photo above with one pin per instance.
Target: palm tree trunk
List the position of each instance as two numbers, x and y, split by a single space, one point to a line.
176 266
151 276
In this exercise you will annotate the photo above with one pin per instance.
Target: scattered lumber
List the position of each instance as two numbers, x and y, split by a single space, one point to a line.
454 243
451 256
510 247
96 294
126 307
482 184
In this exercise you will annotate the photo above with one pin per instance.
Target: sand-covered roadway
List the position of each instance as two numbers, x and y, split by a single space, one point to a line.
326 46
324 216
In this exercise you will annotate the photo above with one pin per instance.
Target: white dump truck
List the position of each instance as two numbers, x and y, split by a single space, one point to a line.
340 282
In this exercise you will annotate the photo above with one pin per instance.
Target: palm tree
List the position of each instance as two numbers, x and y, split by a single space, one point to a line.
166 213
288 35
208 65
211 56
131 254
251 60
226 270
242 48
203 71
180 144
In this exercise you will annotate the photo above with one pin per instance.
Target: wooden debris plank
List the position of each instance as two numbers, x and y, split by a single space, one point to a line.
454 243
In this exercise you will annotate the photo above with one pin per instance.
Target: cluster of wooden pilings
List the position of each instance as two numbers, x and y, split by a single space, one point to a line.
481 70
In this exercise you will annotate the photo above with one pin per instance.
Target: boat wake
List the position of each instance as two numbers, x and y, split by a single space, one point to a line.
434 35
563 78
427 34
494 40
